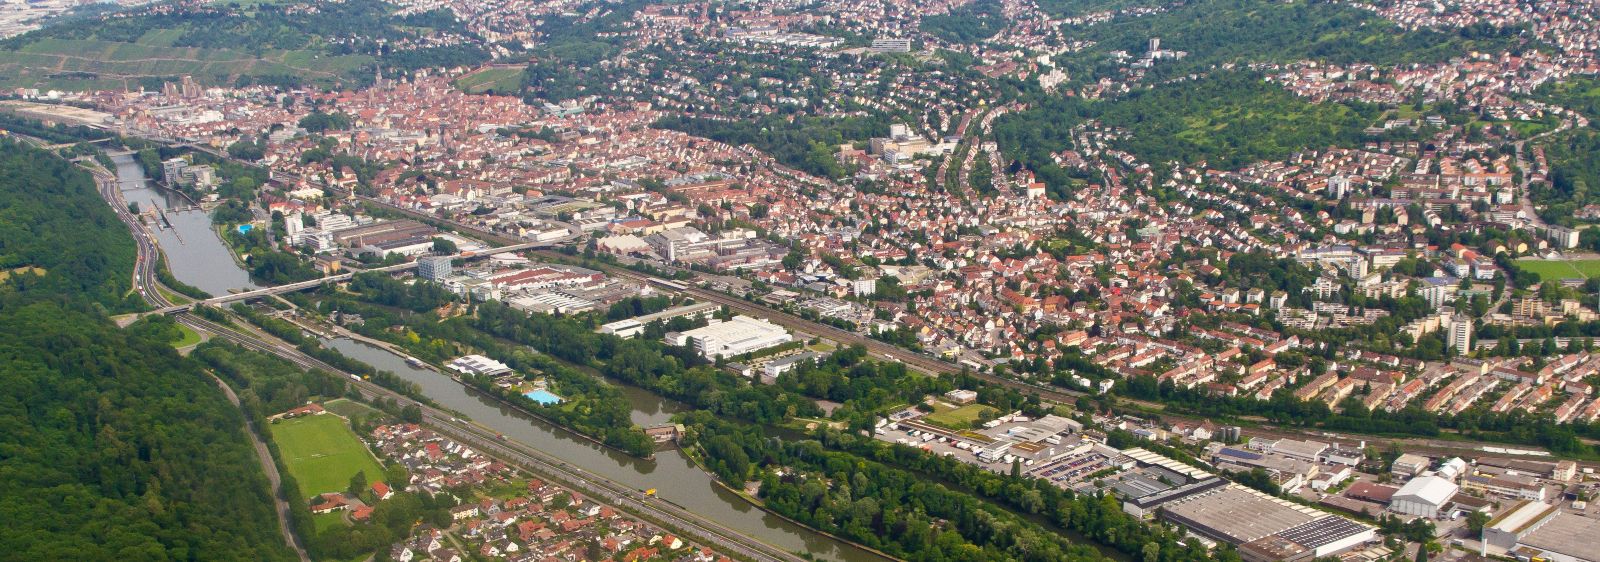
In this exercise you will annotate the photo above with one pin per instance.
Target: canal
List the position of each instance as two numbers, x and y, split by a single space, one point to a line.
195 255
670 472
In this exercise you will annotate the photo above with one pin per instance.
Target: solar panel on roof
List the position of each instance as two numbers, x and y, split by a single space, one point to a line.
1326 530
1237 453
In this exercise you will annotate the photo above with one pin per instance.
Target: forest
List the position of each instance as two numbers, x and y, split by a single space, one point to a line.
1574 169
804 143
112 446
1226 120
57 236
365 29
1214 32
972 22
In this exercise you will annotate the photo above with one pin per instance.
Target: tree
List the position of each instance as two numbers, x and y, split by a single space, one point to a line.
358 484
246 150
1476 520
444 246
411 414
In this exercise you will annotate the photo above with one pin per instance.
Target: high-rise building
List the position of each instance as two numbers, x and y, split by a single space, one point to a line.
1461 334
433 268
1155 44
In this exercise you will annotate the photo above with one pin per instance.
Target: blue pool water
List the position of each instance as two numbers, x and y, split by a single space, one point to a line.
543 397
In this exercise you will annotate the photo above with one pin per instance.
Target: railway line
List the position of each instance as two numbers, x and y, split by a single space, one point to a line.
658 511
926 363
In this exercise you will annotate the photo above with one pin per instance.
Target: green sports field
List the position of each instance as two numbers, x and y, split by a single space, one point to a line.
322 453
1555 270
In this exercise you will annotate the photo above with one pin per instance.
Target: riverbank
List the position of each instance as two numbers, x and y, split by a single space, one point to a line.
761 505
678 481
193 252
341 331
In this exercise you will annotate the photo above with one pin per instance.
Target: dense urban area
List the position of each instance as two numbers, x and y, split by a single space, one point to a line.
737 280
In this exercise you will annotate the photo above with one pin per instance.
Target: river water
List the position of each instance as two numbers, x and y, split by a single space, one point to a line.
195 254
198 257
670 473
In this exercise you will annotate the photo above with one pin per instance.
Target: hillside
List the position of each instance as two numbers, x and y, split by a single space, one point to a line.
317 43
112 446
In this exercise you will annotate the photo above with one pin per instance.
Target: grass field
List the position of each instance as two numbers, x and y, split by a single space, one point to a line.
1554 270
346 407
322 453
958 418
497 80
322 521
190 337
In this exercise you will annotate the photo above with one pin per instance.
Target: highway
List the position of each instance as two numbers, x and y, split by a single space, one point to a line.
144 274
666 514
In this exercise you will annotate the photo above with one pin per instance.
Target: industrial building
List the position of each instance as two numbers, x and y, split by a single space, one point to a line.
1423 496
1533 530
738 336
1409 465
775 367
891 45
404 237
630 327
1261 526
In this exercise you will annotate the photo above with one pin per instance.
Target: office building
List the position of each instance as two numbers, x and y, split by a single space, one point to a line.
434 268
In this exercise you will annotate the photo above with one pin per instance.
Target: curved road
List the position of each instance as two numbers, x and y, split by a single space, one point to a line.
661 512
144 281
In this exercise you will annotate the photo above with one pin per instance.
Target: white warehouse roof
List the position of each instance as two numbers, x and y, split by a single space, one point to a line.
1427 489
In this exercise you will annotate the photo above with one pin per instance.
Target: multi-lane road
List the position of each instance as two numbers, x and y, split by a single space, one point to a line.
915 360
144 281
658 511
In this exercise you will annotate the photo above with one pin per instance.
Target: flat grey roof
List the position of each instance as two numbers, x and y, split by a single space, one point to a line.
1235 515
1568 534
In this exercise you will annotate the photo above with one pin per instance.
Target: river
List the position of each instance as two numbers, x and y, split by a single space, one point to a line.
195 255
670 473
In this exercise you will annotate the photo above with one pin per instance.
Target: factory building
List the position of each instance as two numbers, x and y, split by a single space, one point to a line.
1423 496
737 336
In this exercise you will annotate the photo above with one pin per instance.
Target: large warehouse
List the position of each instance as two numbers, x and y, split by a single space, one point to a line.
1423 496
1262 527
738 336
1537 530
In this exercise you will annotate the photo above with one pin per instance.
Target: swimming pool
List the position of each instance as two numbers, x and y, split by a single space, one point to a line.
543 397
